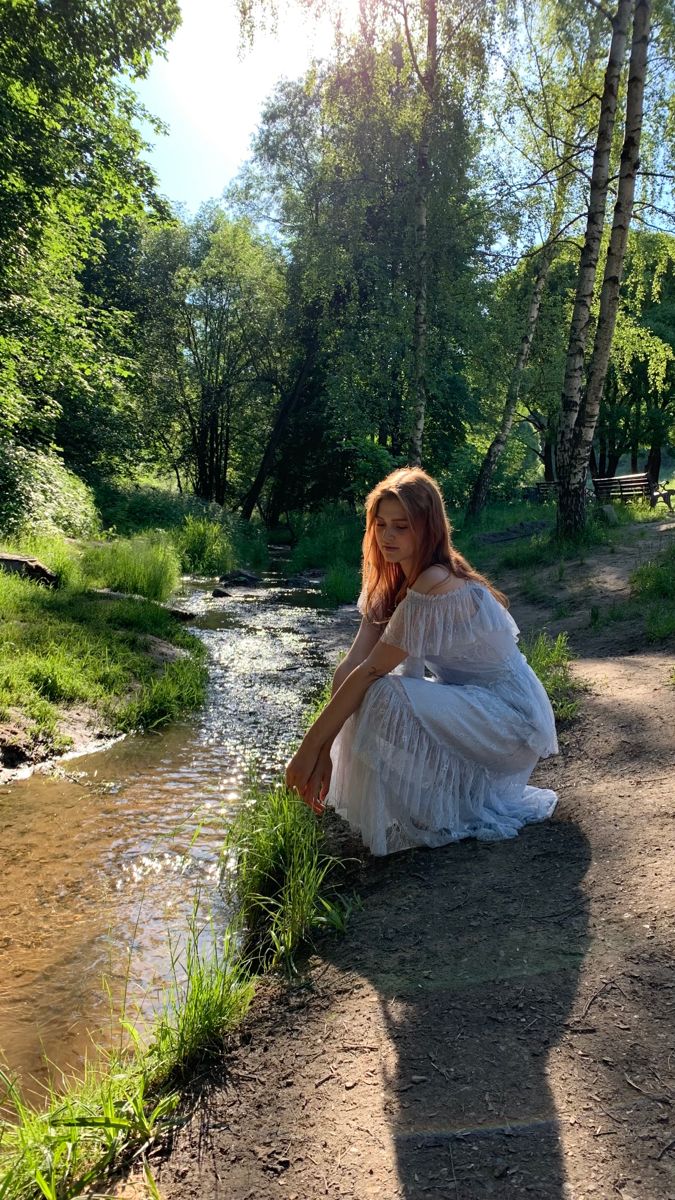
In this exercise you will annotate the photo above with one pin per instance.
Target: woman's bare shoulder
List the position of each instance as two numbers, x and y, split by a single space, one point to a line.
438 579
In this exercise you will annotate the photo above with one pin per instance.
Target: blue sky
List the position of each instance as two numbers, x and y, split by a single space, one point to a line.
210 93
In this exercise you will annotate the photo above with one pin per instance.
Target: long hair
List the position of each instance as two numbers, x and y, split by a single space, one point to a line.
384 583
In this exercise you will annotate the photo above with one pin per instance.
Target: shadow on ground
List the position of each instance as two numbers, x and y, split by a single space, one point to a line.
475 955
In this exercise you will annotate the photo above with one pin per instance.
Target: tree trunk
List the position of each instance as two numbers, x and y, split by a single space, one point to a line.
653 463
616 253
481 487
284 411
419 389
549 462
571 468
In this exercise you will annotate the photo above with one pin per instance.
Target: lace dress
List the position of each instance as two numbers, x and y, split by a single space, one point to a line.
427 761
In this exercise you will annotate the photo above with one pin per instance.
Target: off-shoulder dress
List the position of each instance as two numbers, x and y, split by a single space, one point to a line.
443 747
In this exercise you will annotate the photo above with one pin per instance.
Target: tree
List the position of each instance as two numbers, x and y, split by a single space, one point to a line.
214 302
579 405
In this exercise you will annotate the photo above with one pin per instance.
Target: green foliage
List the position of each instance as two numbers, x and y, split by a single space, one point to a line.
180 688
204 547
140 508
549 658
653 586
342 584
129 1098
656 580
39 495
333 534
143 566
280 874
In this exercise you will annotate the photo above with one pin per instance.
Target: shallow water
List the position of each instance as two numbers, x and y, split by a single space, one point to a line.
103 858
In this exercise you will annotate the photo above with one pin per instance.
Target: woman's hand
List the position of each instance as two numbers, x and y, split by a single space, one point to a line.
319 781
302 764
309 773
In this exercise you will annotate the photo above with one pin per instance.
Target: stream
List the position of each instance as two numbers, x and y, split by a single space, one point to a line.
104 855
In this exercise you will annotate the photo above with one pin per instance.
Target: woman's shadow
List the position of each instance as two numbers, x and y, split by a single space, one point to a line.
475 952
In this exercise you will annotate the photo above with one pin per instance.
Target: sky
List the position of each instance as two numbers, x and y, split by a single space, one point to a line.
210 93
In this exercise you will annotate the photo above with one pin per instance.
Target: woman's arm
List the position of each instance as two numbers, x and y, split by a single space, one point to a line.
365 641
309 761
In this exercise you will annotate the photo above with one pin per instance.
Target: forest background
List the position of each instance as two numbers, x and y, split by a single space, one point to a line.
394 276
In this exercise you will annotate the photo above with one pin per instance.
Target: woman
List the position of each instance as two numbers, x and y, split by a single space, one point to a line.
416 761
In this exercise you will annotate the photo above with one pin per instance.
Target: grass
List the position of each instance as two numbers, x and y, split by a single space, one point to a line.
142 566
283 878
330 536
128 1099
550 658
653 586
342 584
63 646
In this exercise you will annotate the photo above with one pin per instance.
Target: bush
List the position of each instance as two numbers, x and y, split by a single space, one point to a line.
39 495
143 566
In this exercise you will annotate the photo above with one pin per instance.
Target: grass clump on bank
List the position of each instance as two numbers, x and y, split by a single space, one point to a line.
142 566
282 876
127 1100
550 658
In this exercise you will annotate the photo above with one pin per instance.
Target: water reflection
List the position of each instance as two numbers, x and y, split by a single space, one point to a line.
103 859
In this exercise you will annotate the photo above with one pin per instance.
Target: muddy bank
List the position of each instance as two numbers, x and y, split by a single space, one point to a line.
499 1020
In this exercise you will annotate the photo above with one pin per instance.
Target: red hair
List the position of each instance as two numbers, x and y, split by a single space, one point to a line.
385 584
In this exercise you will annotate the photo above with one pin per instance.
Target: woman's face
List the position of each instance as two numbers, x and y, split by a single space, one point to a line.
394 533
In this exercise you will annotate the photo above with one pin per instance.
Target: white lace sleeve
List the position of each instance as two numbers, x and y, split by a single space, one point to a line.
435 625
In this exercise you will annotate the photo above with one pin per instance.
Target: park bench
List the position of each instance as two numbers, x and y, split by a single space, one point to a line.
541 492
632 487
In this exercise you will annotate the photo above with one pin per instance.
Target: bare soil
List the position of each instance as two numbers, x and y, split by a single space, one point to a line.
499 1020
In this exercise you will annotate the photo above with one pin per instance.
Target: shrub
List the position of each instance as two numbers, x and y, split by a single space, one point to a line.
39 494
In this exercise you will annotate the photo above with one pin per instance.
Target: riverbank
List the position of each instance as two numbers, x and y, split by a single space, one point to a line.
497 1021
77 669
95 654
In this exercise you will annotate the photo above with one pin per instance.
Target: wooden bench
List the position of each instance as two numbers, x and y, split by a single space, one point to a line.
541 492
632 487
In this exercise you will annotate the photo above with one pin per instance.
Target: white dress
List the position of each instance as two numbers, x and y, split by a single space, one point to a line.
427 761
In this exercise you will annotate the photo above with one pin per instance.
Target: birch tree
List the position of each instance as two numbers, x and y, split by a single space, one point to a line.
573 447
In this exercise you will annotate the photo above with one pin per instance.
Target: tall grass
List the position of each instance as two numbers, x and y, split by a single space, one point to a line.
283 891
144 566
342 583
332 535
127 1099
550 658
281 876
205 548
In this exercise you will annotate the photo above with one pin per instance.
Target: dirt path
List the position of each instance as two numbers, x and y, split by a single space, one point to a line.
499 1020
